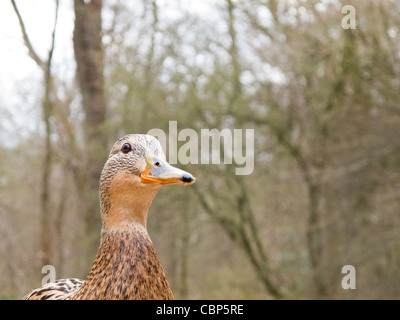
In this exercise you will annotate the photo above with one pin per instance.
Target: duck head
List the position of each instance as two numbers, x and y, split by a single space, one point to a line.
135 170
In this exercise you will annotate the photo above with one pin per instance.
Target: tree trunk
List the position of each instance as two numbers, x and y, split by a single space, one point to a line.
89 58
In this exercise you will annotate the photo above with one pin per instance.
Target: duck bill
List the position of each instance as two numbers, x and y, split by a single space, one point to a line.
161 172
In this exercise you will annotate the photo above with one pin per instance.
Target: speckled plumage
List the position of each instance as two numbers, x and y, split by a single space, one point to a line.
126 265
57 290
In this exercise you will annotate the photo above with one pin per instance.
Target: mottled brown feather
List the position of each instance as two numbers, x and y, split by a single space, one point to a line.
126 265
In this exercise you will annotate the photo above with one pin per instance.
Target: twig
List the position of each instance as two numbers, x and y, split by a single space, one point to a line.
27 42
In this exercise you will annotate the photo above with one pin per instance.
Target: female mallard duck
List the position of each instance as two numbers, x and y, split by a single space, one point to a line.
126 265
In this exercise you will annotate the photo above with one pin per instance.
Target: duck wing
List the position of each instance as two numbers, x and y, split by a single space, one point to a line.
58 290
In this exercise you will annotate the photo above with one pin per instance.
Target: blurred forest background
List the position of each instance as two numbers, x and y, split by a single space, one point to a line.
324 103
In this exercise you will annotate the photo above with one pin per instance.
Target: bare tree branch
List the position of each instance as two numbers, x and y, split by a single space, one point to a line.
32 52
48 154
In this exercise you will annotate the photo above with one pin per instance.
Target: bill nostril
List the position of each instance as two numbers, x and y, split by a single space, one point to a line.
186 178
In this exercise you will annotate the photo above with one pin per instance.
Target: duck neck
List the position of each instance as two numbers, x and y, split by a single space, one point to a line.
125 201
126 267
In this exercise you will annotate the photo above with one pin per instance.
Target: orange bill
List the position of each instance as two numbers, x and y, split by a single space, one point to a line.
160 171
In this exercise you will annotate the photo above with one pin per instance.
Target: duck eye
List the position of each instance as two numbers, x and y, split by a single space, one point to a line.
126 148
157 164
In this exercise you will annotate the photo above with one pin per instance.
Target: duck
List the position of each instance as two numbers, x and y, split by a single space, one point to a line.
126 266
